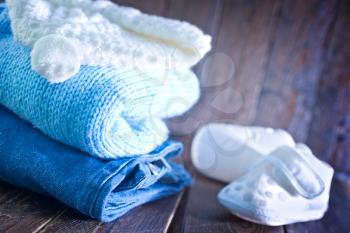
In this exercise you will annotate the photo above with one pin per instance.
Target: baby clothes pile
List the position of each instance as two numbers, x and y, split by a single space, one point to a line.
274 181
84 88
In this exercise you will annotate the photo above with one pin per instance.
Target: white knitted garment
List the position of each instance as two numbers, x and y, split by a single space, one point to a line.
85 32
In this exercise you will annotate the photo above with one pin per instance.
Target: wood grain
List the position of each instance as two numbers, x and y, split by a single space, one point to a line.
243 39
206 14
232 46
295 65
23 211
152 217
330 129
329 133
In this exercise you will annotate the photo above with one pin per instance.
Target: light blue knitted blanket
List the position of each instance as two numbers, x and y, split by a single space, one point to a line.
105 112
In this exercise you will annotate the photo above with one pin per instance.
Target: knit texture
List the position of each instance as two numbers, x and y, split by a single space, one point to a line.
104 111
103 33
104 190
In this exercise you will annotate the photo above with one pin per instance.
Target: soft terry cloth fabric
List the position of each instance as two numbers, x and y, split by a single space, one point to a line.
100 189
106 112
102 33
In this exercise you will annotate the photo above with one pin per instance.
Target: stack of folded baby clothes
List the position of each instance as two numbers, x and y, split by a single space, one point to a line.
84 88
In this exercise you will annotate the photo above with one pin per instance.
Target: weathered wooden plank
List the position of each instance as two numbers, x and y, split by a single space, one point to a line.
231 75
152 217
207 16
242 38
295 65
241 54
23 211
330 128
183 127
329 132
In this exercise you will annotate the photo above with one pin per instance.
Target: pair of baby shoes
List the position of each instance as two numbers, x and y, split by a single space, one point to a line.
274 181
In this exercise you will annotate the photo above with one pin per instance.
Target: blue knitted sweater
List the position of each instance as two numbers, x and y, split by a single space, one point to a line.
106 112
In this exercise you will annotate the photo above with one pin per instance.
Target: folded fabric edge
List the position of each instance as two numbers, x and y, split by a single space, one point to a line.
116 204
104 190
114 199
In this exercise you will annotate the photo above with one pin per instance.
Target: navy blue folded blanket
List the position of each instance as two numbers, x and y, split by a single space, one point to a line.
104 190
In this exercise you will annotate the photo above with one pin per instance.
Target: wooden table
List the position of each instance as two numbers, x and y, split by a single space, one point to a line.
279 63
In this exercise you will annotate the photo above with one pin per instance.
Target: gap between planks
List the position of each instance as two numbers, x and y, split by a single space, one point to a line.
42 227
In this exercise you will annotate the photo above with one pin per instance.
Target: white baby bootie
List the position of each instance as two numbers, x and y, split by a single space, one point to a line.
289 185
224 152
104 34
